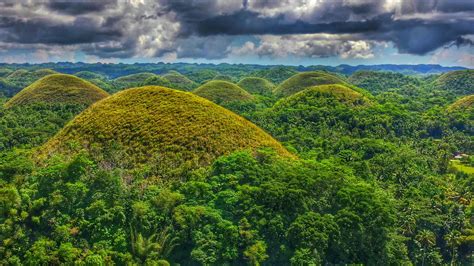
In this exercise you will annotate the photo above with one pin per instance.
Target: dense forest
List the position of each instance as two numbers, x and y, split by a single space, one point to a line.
187 164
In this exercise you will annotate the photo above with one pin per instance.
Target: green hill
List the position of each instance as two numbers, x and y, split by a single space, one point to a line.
159 126
327 93
255 85
377 82
5 72
58 88
223 78
155 80
465 104
459 82
88 75
180 81
223 92
21 78
99 80
276 74
132 80
304 80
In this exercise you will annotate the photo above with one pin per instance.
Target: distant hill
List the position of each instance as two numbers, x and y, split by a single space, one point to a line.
304 80
377 82
58 88
256 85
180 81
223 92
421 69
132 80
160 126
341 93
275 74
459 82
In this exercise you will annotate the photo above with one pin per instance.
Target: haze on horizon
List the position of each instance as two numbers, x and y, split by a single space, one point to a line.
307 32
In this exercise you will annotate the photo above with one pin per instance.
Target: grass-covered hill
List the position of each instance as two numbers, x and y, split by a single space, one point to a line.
255 85
223 78
180 81
89 75
159 126
132 80
327 94
58 88
5 72
465 104
276 74
459 82
16 80
223 92
97 79
304 80
378 82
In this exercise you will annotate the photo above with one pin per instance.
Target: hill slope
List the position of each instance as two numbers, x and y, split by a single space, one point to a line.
58 88
459 82
304 80
161 126
465 104
222 92
255 85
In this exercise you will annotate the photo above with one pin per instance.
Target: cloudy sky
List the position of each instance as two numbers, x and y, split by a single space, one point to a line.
293 32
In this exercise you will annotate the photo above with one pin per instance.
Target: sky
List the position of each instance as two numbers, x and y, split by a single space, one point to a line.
291 32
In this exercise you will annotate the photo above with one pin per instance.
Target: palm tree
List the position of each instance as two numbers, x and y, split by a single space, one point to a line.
427 239
453 240
157 245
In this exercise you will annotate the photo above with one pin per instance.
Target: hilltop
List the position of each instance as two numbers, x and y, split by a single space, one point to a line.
58 88
460 82
223 92
132 80
326 93
276 74
255 85
160 125
180 81
304 80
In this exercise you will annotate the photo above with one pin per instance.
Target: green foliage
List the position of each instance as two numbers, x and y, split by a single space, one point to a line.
58 88
153 176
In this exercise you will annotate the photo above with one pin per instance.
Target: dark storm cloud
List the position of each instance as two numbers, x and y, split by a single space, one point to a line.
80 6
43 31
125 28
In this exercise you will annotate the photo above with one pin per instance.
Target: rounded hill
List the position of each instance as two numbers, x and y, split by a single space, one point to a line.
180 81
255 85
465 104
460 82
159 126
223 92
304 80
133 80
326 94
58 88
